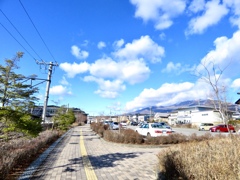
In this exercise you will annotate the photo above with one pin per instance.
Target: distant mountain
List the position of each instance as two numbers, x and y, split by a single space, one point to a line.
168 109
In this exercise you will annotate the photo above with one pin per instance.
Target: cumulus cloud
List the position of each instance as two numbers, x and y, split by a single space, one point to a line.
78 53
144 48
197 5
234 5
118 44
167 94
225 54
127 65
59 90
214 12
107 88
161 12
236 84
101 45
64 81
178 68
73 69
129 71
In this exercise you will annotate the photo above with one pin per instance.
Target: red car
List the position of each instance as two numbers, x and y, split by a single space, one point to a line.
222 128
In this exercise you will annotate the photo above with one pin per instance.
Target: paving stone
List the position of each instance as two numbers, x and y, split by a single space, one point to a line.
110 161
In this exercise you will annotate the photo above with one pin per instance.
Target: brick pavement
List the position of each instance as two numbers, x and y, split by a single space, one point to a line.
110 161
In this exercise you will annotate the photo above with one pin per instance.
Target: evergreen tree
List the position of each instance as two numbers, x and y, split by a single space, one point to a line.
14 93
63 119
16 99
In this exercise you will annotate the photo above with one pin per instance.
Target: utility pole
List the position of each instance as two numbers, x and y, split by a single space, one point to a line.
47 88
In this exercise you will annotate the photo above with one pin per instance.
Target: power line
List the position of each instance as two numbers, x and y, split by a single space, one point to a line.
17 41
20 34
37 30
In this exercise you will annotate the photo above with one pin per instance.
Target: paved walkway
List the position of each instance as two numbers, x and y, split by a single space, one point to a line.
82 155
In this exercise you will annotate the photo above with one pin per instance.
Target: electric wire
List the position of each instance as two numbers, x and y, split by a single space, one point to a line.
17 40
20 34
36 30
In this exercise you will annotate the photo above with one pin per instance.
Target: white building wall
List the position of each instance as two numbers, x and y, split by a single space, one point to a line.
140 118
206 117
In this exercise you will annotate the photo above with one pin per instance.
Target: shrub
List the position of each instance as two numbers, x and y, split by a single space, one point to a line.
21 150
216 158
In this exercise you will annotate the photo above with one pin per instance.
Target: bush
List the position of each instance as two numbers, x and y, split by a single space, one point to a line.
216 158
21 150
129 136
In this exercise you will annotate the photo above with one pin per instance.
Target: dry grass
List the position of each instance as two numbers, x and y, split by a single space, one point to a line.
217 158
17 152
127 136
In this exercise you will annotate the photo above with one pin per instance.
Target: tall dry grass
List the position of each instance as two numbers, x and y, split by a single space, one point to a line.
18 151
217 159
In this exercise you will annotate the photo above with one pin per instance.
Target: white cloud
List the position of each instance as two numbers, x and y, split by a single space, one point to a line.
132 72
197 5
234 5
101 45
225 54
59 90
64 81
129 66
162 36
172 67
178 68
118 44
236 84
144 47
107 88
160 11
167 94
214 12
105 68
73 69
78 53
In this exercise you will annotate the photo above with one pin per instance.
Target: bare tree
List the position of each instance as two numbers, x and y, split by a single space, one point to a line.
212 75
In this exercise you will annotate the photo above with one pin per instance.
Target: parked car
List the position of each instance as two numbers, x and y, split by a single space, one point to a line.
107 122
222 128
123 124
153 130
165 125
114 126
134 123
205 126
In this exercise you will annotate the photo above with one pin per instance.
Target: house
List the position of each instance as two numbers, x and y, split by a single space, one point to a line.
51 110
195 115
161 117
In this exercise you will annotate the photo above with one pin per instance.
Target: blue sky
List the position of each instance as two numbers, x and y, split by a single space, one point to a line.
116 56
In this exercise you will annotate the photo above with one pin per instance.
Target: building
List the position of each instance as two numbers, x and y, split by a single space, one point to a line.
161 117
195 115
51 110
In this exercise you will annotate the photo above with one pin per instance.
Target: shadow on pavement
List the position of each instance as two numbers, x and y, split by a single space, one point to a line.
109 160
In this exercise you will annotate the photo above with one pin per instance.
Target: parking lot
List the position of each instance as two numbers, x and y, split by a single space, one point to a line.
187 131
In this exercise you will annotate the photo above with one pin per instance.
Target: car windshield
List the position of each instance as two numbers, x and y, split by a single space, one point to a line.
156 126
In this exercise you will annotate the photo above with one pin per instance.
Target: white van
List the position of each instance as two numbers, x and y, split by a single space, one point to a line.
205 126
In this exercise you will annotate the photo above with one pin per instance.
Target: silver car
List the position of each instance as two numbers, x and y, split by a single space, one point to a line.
114 125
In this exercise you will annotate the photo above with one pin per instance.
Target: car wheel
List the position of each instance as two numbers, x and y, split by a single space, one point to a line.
231 131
